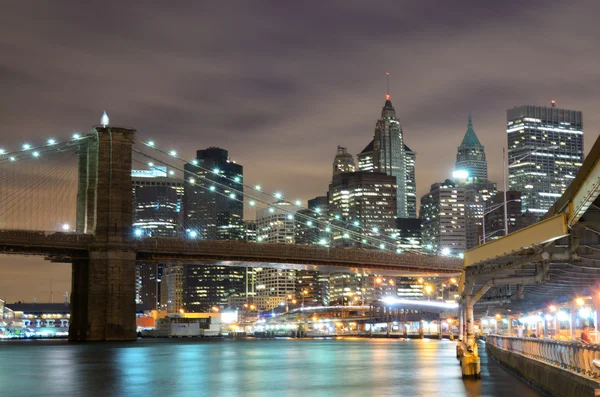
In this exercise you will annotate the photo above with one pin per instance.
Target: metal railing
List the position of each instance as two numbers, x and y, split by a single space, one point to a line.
293 252
577 357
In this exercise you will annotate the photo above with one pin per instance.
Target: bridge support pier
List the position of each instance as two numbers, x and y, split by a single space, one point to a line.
103 290
103 297
469 358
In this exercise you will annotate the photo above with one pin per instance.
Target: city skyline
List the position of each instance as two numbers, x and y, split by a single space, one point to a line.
223 89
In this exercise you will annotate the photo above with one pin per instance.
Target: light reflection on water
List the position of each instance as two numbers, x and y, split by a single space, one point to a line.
357 367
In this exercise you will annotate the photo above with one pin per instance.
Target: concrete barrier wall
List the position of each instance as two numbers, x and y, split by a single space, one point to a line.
549 378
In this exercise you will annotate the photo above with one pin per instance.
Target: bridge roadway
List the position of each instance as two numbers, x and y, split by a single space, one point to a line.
66 247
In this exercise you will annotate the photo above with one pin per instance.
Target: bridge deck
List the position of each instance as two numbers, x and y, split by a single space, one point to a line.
66 246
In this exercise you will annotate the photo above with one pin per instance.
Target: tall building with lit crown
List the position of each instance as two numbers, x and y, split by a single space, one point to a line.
545 151
343 162
388 154
213 206
471 156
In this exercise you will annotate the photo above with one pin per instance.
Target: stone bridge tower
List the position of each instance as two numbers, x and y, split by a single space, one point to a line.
103 284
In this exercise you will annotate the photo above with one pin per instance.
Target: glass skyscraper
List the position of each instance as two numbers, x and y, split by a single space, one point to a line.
157 202
213 210
545 151
388 154
213 206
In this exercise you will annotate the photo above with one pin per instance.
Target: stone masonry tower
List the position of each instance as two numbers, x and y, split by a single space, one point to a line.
103 285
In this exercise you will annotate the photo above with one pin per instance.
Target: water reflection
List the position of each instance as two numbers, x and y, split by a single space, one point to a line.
358 367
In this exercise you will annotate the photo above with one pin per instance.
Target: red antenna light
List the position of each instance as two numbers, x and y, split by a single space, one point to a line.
553 102
387 76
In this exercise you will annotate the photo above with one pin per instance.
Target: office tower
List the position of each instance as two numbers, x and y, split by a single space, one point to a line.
208 285
410 159
443 218
365 163
173 287
349 289
157 212
343 162
319 204
409 233
275 224
494 220
148 286
474 208
310 224
545 151
213 201
485 189
274 287
312 288
308 227
409 288
365 158
157 201
389 155
471 156
250 230
213 210
364 199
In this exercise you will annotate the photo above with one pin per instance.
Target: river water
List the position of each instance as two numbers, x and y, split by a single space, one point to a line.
269 368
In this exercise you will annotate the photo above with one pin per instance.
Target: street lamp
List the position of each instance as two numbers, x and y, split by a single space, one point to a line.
304 293
428 290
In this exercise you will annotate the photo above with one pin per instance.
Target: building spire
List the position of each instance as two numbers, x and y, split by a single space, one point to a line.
387 77
470 139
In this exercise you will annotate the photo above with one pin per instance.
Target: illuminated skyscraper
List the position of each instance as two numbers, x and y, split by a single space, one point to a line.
213 207
208 285
387 153
157 201
213 210
157 212
443 218
471 156
364 199
545 151
410 159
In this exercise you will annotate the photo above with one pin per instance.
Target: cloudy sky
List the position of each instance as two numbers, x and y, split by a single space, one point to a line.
280 84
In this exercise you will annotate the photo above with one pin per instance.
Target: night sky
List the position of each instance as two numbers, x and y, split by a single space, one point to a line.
280 84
